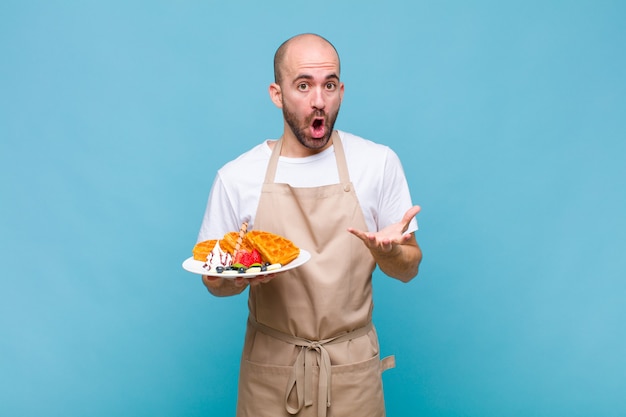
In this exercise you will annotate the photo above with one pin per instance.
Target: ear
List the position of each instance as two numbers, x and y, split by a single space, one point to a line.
341 89
276 95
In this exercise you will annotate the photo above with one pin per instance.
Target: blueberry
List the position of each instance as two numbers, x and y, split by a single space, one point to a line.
219 269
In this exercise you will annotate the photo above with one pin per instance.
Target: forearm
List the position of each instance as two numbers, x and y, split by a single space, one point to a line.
221 287
402 263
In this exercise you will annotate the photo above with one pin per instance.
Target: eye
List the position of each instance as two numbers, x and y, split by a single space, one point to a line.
331 86
302 86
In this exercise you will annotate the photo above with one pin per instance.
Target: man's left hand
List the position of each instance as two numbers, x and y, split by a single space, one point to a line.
386 239
396 253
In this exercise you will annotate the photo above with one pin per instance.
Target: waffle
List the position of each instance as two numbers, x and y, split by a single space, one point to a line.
202 249
274 248
228 242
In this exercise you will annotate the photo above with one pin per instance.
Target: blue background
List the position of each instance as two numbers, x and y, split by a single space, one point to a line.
509 119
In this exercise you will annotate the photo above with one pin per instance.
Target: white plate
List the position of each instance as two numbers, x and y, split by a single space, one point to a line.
194 266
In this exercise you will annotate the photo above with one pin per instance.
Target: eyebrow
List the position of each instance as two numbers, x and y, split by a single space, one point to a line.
332 76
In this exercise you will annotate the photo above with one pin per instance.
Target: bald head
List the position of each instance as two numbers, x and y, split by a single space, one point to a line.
305 40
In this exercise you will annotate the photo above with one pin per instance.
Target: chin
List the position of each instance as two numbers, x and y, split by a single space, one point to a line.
316 143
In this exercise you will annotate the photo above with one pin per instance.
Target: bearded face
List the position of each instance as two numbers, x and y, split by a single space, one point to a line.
308 91
312 131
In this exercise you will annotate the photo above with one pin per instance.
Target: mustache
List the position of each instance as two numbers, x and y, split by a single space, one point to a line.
316 114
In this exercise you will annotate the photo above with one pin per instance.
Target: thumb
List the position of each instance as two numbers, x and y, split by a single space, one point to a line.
408 216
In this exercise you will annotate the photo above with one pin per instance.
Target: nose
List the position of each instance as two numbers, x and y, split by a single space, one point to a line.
318 100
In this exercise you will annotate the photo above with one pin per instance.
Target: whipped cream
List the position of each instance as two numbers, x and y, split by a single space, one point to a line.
216 258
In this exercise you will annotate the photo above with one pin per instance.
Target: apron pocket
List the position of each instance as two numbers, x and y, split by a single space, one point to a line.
357 389
262 390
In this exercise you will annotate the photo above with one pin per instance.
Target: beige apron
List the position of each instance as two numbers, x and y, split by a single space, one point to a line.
310 347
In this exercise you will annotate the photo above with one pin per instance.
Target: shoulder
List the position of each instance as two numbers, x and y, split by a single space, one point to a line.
359 144
246 164
365 150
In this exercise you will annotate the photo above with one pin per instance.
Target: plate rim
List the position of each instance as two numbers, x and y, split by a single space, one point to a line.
304 257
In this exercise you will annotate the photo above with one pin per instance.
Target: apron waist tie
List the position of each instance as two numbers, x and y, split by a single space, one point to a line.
301 378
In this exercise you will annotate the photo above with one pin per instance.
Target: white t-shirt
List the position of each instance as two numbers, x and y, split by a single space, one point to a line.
375 170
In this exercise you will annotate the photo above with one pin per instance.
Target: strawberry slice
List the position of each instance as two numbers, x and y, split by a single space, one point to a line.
246 259
256 257
239 256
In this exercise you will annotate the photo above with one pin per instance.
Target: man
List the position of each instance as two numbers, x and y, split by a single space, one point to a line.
310 347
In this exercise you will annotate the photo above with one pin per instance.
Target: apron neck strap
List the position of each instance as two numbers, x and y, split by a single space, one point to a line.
340 156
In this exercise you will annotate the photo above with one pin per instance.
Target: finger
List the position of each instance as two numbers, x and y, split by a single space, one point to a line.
370 239
356 232
410 213
211 282
361 235
408 216
386 245
210 278
406 238
261 279
269 277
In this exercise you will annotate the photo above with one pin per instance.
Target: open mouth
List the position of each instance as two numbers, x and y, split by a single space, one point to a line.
317 127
